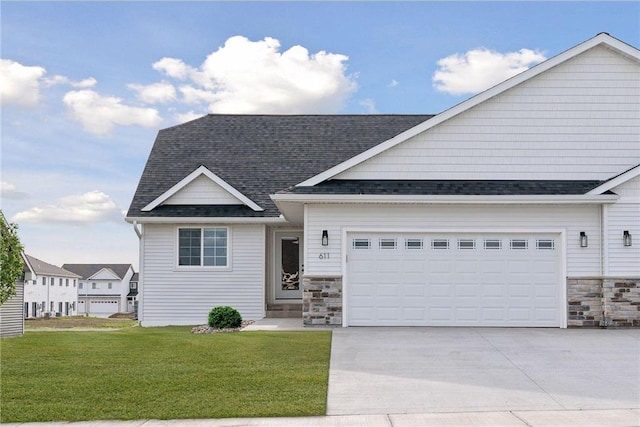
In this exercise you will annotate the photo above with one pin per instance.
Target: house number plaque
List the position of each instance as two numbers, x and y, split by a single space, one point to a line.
323 255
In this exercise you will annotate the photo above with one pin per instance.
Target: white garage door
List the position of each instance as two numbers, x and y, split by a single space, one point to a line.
453 280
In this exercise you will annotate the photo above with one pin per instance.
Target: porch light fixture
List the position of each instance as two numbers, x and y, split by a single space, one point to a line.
626 238
584 240
325 238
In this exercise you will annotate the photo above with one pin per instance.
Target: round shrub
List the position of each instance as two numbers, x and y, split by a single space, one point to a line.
224 317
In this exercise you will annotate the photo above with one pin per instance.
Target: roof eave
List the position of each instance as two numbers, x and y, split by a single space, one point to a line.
205 220
448 199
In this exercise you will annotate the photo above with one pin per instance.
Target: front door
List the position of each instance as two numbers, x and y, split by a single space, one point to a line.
289 269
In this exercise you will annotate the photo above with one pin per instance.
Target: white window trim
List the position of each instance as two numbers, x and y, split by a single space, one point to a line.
176 247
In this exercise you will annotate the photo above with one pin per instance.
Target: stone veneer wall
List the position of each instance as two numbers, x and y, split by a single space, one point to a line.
603 301
322 300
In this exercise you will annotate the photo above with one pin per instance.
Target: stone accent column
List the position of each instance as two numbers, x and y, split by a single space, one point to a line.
584 302
322 300
603 302
621 301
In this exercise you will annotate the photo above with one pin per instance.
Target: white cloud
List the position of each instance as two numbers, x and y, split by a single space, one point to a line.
369 106
480 69
58 79
99 114
155 93
8 191
393 83
88 208
19 84
255 77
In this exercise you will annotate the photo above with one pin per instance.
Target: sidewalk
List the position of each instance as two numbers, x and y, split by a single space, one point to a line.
585 418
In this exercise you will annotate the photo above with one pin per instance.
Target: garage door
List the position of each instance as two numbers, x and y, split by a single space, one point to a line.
419 279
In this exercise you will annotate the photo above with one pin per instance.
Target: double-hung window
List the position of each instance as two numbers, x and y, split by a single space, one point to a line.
204 247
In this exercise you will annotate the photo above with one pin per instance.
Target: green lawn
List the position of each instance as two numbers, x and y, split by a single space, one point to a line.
162 373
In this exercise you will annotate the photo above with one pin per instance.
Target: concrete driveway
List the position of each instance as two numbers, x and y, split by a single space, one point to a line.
418 370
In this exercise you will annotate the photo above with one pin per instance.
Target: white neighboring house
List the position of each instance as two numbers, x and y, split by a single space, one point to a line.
103 288
49 290
519 207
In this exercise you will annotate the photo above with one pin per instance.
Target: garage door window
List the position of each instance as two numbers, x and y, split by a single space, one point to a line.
361 243
440 244
466 244
519 244
493 244
545 244
413 244
388 243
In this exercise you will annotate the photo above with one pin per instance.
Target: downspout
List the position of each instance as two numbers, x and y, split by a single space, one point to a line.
137 229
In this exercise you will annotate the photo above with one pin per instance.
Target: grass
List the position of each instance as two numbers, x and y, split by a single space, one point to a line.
162 373
77 322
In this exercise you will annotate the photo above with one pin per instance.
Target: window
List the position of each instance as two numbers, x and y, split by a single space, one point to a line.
74 283
60 281
51 307
94 286
202 247
110 285
44 281
492 244
440 244
80 285
133 285
519 244
52 280
413 244
466 244
387 243
361 243
66 282
545 244
60 307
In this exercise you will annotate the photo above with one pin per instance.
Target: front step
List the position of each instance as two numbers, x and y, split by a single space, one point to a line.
284 311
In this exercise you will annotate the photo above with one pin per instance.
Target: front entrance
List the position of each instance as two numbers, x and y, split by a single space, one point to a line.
288 266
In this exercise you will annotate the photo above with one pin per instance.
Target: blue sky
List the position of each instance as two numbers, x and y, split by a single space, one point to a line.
87 85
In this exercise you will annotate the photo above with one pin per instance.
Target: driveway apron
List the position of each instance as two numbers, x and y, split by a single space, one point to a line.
417 370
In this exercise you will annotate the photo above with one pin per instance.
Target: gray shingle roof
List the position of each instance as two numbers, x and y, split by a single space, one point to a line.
42 268
448 187
87 270
258 155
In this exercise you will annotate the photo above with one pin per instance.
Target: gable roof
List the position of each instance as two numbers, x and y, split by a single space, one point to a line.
85 271
257 155
202 170
42 268
602 39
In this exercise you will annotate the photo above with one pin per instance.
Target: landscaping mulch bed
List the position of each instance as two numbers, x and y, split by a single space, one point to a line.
206 329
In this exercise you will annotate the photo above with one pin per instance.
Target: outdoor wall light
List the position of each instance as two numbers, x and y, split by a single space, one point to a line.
626 238
584 240
325 238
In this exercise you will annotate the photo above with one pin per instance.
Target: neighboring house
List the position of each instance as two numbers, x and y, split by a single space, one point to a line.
11 316
103 288
132 296
519 207
51 291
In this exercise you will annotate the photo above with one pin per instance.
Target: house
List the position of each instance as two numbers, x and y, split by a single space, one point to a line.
50 291
11 316
102 288
519 207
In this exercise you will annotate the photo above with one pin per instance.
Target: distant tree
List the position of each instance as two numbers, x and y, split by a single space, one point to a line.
11 264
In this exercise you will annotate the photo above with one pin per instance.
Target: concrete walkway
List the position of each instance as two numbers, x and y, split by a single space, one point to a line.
589 418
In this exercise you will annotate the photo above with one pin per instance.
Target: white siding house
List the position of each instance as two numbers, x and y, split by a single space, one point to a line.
50 290
102 288
519 207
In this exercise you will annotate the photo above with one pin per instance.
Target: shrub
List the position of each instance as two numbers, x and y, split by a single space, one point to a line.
224 317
